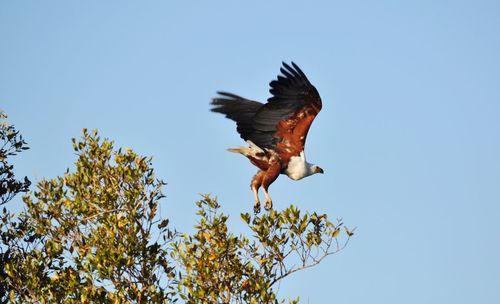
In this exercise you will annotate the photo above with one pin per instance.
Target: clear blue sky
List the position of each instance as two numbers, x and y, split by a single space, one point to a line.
409 134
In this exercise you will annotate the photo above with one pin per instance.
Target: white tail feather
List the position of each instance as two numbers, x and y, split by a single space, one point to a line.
247 151
241 150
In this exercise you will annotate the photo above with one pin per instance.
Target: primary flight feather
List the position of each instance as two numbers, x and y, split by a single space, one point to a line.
276 132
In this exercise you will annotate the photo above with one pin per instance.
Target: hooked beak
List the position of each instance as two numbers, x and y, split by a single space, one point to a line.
320 170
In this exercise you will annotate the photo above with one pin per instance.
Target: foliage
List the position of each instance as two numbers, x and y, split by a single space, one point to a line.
219 267
11 143
94 236
86 236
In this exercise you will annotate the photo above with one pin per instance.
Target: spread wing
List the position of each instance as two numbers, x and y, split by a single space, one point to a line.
291 110
283 122
242 111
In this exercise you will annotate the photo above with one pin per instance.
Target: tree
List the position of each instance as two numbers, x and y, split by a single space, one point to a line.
93 235
217 266
86 237
11 143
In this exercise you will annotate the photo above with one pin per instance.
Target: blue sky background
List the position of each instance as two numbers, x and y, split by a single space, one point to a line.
409 134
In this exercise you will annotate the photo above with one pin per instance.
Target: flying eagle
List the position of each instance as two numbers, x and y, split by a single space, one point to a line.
276 131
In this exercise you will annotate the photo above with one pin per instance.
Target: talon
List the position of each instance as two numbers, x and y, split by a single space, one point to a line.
256 208
268 205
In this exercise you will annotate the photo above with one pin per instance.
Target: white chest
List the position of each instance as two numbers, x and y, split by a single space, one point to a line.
297 167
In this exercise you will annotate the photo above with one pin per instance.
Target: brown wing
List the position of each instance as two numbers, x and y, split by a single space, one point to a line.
290 112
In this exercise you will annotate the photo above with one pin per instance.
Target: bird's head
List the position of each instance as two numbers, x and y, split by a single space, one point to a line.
316 169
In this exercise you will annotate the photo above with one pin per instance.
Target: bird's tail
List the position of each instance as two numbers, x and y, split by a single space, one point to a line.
241 150
252 150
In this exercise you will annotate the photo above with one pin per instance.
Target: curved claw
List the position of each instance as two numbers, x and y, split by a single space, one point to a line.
256 208
268 205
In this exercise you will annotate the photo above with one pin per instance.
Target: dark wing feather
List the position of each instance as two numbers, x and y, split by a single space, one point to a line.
292 93
241 110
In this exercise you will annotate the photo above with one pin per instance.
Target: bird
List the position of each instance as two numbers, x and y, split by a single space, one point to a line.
275 131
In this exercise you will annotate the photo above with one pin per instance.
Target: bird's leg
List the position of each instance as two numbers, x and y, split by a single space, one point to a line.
255 185
271 175
256 204
269 202
255 195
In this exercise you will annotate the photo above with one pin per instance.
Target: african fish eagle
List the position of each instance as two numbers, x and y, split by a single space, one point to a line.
276 131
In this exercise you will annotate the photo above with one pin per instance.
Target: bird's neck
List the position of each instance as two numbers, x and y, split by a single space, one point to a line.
298 167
